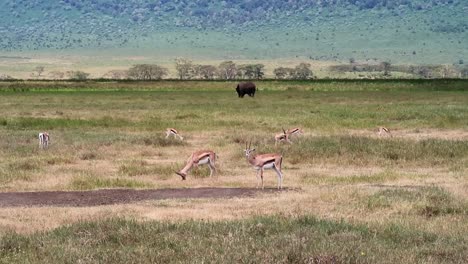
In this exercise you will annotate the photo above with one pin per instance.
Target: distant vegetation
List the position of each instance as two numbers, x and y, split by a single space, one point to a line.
276 28
186 69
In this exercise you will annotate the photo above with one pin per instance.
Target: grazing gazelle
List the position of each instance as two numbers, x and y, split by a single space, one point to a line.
174 132
199 158
282 137
294 131
44 140
286 135
384 131
265 161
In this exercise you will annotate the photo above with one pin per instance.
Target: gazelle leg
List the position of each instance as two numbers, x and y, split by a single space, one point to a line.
261 176
212 167
258 178
280 177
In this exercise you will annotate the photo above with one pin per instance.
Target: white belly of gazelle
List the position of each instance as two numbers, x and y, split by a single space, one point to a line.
204 161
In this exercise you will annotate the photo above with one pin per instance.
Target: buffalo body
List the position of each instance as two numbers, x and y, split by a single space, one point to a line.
246 88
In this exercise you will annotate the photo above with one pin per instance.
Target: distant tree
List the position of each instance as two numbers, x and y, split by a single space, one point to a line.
185 68
56 75
250 71
147 72
352 60
227 70
206 72
464 72
303 71
386 67
37 71
77 75
284 73
116 74
4 77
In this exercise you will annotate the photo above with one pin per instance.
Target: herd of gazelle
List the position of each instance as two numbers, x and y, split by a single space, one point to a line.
259 162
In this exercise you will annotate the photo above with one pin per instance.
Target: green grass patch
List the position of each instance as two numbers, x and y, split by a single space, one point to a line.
270 239
85 182
359 150
426 201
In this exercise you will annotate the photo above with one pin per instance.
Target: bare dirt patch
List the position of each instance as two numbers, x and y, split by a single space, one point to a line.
118 196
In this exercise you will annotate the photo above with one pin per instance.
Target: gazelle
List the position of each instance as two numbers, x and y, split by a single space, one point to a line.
174 132
282 137
44 140
199 158
265 161
294 131
286 135
384 131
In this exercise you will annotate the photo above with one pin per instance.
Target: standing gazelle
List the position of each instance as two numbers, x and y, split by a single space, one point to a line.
199 158
174 132
44 140
384 131
265 161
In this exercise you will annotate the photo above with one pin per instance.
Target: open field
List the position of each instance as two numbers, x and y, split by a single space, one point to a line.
352 197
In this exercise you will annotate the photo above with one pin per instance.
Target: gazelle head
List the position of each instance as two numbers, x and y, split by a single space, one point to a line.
248 150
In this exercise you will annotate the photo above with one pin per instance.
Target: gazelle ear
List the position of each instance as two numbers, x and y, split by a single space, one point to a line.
253 149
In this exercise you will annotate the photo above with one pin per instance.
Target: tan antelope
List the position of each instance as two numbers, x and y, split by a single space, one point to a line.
199 158
44 140
286 135
262 162
282 137
174 132
383 131
294 131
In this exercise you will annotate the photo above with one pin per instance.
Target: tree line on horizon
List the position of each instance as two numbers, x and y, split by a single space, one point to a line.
229 70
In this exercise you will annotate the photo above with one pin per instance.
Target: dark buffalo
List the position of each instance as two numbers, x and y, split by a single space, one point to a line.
246 88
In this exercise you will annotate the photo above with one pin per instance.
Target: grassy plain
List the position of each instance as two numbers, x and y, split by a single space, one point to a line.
353 197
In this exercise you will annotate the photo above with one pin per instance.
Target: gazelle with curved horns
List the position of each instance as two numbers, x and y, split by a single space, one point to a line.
265 161
174 132
199 158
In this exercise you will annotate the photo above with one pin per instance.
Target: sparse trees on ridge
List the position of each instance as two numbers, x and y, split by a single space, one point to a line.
147 72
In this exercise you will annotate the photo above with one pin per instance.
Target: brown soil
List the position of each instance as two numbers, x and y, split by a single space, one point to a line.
118 196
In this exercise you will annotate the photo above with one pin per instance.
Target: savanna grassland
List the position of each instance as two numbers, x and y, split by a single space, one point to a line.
351 196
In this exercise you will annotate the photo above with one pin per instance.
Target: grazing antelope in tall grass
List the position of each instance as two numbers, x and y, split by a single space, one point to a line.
383 131
286 135
262 162
199 158
294 131
174 132
44 140
282 137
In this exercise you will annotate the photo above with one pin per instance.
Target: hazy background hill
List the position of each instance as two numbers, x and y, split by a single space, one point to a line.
116 33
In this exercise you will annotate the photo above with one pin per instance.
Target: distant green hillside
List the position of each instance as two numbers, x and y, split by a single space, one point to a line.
403 31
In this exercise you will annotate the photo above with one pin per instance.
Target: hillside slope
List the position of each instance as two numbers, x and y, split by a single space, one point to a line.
404 31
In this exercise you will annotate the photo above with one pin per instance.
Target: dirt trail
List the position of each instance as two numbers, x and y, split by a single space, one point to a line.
118 196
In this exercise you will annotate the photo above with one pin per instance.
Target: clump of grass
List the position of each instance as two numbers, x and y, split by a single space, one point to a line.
165 172
381 177
268 239
158 141
426 201
361 150
84 182
135 168
89 155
